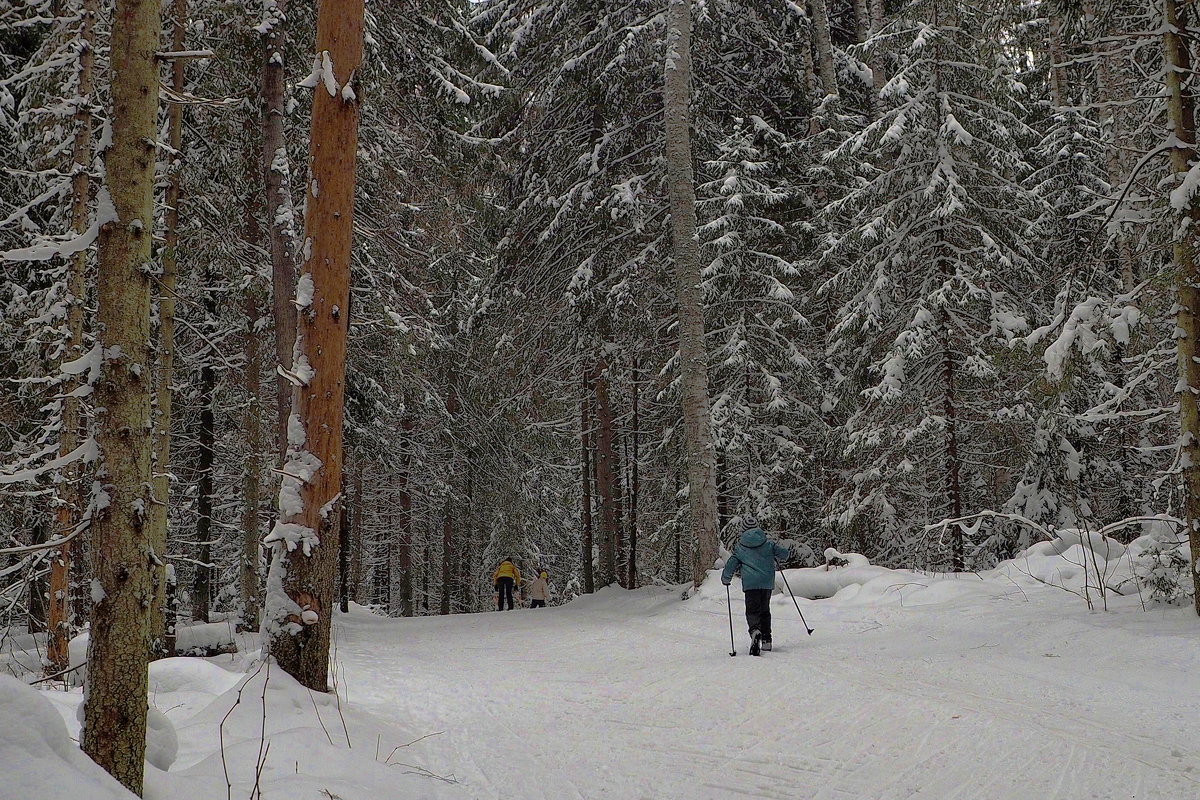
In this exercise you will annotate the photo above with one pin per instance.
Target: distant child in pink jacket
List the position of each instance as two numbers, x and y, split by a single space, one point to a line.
539 590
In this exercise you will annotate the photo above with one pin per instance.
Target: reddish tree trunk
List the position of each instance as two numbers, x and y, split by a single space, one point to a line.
301 645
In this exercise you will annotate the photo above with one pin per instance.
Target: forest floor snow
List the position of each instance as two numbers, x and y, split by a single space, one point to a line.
944 687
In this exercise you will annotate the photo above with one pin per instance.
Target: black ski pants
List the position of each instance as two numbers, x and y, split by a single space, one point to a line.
758 611
504 591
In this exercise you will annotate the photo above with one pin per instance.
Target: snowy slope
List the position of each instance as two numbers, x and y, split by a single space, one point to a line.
985 689
981 688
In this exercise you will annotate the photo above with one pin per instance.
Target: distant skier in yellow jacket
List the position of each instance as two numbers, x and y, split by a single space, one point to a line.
505 578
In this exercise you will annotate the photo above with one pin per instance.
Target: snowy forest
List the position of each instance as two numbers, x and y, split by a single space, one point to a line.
308 307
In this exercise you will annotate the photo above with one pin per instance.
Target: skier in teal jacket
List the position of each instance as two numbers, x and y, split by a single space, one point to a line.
757 557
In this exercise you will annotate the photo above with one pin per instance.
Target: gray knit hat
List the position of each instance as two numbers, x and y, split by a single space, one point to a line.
749 523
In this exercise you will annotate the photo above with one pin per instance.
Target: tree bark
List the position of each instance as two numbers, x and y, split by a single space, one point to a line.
277 179
114 728
401 543
202 578
953 463
1058 60
69 496
36 619
166 332
824 42
447 558
305 545
701 460
634 485
585 469
251 602
605 491
1182 115
344 533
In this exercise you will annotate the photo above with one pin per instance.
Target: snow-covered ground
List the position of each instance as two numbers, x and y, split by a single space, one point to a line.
993 688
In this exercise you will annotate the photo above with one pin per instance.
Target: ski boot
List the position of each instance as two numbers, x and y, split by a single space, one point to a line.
755 643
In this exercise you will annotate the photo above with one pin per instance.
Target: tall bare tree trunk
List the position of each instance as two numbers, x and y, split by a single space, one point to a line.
165 351
114 727
299 622
69 500
1111 124
953 462
1182 114
693 360
605 456
634 485
447 558
36 619
824 42
202 578
277 178
400 543
251 600
585 469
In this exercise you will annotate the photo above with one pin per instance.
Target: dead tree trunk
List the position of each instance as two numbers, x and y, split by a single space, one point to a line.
114 727
67 514
1182 115
305 541
702 487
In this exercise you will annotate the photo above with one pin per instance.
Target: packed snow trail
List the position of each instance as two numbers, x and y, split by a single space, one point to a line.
990 695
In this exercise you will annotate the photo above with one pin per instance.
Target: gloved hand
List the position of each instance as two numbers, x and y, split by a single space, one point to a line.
725 582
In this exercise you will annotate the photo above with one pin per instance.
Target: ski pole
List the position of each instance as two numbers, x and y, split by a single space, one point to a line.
798 611
729 605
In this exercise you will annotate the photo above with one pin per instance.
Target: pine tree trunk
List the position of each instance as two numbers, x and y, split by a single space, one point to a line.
344 533
427 568
953 462
306 568
67 514
701 460
824 42
1182 114
36 619
447 559
114 728
401 542
1110 123
164 374
280 214
605 491
1058 60
251 602
585 469
206 439
634 486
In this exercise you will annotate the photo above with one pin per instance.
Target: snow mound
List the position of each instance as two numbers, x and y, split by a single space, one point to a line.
1076 561
206 638
38 759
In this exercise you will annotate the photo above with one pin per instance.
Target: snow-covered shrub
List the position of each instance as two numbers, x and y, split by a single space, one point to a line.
1160 564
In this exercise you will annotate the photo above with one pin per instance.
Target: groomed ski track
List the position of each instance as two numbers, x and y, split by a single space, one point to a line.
633 695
